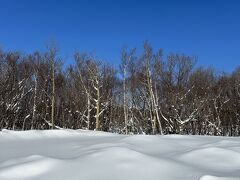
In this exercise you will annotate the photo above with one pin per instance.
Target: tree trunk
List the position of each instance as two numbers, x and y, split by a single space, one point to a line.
97 107
53 93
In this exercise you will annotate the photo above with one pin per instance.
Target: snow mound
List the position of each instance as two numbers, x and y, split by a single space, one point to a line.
223 158
93 155
207 177
26 168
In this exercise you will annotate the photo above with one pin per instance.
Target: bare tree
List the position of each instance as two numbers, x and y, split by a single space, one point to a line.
125 58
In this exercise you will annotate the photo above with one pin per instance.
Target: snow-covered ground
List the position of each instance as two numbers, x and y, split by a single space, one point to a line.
86 155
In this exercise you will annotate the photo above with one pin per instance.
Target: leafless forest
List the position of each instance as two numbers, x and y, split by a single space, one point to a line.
150 93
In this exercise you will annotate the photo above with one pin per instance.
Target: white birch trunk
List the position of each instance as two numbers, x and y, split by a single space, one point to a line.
53 93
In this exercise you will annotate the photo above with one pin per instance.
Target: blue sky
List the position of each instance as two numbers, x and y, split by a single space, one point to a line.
209 29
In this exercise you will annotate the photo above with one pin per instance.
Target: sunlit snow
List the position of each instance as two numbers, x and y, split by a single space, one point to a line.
89 155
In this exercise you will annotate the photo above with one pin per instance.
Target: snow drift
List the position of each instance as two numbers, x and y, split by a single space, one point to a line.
86 155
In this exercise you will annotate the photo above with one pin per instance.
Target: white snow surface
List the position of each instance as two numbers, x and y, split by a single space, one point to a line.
91 155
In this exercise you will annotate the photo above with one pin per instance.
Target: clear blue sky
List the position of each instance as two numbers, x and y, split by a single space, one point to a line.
209 29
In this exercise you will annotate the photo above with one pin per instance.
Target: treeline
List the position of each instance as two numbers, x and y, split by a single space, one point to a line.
149 93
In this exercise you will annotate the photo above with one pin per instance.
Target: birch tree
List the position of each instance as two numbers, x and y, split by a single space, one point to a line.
125 59
81 61
52 58
148 58
95 78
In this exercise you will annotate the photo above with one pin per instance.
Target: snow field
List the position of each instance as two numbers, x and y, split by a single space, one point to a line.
89 155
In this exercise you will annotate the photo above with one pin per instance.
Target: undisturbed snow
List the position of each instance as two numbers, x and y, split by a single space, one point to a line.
86 155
